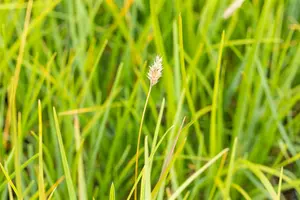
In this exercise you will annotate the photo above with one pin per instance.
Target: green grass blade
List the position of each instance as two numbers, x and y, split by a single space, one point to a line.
71 189
280 183
274 112
230 171
156 132
99 137
41 183
147 174
264 180
213 123
196 174
82 192
9 181
112 192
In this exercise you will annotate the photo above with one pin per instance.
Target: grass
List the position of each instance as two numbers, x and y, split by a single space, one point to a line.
221 123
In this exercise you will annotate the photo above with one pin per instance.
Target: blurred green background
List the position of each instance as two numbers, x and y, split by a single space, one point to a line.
89 59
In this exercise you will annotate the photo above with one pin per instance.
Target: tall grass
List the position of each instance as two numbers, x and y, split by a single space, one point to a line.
222 123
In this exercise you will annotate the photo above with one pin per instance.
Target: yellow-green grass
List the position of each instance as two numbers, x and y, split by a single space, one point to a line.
78 121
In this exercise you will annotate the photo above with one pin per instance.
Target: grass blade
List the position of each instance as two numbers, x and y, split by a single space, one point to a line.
112 192
9 180
103 123
196 174
82 194
213 123
71 189
147 174
279 185
230 171
41 183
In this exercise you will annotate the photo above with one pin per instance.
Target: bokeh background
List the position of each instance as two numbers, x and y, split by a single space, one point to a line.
89 59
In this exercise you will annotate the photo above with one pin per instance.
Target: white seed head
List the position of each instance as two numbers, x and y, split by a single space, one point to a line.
155 71
232 8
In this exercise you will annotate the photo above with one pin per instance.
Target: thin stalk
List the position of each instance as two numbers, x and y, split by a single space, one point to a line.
139 140
41 184
280 183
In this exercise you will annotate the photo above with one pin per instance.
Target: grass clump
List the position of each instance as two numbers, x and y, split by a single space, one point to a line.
222 123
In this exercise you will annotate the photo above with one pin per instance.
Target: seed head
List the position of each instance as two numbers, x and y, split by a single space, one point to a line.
232 8
155 71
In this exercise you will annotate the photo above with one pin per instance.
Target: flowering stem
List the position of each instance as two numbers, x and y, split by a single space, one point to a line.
139 139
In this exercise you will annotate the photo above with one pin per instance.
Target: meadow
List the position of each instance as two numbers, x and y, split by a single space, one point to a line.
150 99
